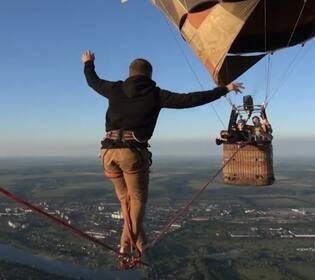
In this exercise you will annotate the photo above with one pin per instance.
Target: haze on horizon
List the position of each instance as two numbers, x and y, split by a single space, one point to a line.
172 148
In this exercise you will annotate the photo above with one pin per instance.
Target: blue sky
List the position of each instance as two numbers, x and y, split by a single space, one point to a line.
46 107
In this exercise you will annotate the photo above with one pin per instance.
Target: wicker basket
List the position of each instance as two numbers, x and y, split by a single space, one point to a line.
252 165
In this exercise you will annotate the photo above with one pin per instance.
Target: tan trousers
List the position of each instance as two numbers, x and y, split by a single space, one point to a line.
128 170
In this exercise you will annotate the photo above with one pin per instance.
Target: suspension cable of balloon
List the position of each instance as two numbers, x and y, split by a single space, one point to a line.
289 67
227 97
190 66
268 61
289 70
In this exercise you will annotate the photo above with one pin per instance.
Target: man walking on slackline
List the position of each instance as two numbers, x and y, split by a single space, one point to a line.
133 109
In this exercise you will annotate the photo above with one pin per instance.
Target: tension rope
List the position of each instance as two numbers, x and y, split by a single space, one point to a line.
181 211
60 222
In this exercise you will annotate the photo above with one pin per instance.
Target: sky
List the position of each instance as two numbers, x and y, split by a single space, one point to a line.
47 108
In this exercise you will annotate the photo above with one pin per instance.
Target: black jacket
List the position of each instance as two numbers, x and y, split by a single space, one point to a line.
134 104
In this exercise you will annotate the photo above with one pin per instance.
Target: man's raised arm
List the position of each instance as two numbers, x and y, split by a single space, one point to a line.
179 100
93 80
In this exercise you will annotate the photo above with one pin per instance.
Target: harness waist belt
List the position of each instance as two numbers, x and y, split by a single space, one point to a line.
120 135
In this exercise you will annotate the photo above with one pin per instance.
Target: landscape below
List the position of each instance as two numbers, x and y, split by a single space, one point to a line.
231 232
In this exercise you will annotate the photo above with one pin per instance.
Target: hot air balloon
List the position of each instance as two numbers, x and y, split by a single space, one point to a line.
229 37
222 32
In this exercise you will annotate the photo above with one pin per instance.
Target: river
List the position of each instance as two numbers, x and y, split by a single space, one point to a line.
47 264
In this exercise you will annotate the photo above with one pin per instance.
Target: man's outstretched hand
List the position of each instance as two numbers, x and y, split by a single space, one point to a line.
87 56
237 87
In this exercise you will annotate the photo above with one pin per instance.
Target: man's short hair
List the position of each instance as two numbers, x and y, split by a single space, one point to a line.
140 66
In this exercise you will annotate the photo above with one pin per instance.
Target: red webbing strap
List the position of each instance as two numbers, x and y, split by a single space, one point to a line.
54 219
132 260
129 224
60 222
181 211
